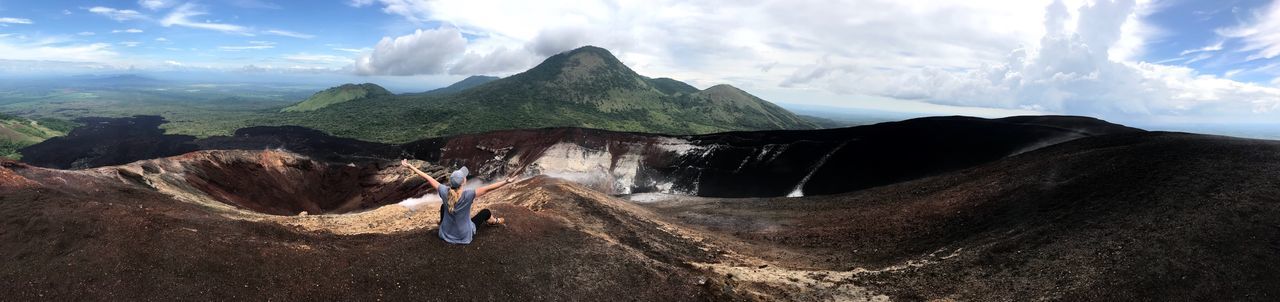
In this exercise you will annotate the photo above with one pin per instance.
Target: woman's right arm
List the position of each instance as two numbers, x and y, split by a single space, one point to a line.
434 184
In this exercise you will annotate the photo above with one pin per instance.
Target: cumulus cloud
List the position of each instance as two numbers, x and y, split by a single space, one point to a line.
131 30
11 20
1069 72
445 51
498 61
556 40
117 14
1070 56
181 16
422 52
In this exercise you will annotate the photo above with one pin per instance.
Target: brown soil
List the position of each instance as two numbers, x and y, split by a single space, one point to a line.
99 235
1141 216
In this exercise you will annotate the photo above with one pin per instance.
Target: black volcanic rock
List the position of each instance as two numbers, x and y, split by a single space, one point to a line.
731 164
115 141
760 163
300 140
1136 216
108 141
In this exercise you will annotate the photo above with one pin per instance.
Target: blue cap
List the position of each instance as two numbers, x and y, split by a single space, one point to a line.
456 178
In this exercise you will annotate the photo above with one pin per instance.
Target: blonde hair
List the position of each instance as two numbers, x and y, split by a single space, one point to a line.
454 195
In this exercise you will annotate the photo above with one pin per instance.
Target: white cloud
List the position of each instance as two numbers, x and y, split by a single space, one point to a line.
154 4
53 49
359 3
288 69
1070 72
117 14
250 47
495 62
319 59
1210 48
1076 57
290 34
422 52
1261 34
181 16
131 30
86 33
255 4
254 45
11 20
703 41
131 43
353 50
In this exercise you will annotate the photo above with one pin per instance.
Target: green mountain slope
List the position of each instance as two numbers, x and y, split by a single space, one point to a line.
17 133
340 94
587 87
671 86
464 84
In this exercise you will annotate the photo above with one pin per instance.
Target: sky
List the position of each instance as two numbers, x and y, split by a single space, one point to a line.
1146 62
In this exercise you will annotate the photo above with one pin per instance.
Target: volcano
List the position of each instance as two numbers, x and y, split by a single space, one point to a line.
949 208
732 164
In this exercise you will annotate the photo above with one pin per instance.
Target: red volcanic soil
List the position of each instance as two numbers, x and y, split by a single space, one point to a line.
1138 216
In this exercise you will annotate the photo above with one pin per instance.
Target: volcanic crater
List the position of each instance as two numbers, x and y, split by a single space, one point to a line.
1060 212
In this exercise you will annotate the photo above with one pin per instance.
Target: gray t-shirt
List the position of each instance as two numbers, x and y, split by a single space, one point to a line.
457 227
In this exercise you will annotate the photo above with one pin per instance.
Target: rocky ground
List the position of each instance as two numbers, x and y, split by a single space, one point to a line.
1137 216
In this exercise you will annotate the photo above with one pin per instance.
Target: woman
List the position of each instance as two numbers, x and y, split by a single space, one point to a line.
455 228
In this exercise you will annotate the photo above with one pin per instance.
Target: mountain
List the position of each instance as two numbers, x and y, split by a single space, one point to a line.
586 87
17 132
340 94
671 86
464 84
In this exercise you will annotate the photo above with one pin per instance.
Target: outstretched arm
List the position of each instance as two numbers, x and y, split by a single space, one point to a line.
493 186
434 184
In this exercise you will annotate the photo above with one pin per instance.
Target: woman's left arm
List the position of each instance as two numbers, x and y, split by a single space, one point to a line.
434 184
493 186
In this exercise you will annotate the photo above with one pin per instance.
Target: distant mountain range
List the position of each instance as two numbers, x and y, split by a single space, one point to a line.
586 87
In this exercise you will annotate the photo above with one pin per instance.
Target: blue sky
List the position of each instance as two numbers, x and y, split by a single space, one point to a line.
1139 61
